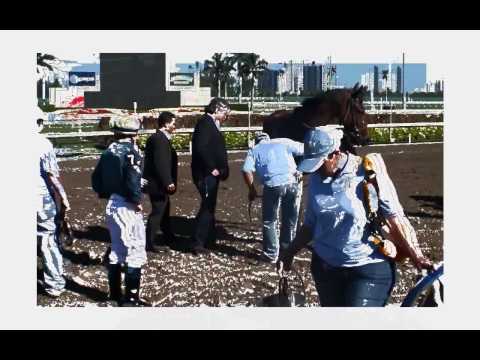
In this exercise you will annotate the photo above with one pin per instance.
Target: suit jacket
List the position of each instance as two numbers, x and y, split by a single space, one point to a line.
208 150
161 163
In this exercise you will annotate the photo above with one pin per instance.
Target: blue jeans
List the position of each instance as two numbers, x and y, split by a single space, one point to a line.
287 197
48 233
368 285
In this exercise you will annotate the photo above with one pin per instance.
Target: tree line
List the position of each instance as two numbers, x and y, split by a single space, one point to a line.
219 70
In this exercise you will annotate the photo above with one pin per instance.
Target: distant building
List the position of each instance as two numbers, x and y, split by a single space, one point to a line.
439 86
368 80
281 82
392 82
375 79
312 79
399 79
294 78
268 82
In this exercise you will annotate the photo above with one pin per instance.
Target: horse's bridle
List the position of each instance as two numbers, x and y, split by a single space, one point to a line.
356 133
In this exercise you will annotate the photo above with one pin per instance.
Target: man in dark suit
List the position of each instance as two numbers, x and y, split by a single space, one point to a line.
209 167
160 170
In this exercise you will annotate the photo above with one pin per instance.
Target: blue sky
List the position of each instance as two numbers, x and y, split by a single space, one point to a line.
415 74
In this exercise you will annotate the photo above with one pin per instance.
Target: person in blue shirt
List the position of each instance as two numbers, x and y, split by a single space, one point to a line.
347 267
273 162
117 177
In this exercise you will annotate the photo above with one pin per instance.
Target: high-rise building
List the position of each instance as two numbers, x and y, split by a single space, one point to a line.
281 82
392 82
375 79
312 79
268 82
368 80
294 77
399 79
439 86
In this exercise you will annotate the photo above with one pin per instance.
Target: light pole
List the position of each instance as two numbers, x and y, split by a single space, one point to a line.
403 81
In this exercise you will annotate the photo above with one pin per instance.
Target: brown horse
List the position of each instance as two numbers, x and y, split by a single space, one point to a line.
338 106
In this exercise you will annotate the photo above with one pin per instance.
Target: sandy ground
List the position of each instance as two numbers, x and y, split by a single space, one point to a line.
232 275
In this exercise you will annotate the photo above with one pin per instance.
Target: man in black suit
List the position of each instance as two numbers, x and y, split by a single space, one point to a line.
160 170
209 167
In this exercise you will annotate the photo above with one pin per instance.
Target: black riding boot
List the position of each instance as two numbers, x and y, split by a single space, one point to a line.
115 282
132 287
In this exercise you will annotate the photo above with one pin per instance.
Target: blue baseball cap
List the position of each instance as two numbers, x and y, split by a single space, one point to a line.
319 143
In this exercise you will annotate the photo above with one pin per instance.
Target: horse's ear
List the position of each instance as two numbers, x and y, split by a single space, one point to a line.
356 91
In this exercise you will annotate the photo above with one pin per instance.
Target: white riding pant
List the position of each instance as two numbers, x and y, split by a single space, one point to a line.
127 232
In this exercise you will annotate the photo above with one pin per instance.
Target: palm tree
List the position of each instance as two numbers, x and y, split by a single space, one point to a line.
213 69
228 62
252 66
42 58
238 60
42 67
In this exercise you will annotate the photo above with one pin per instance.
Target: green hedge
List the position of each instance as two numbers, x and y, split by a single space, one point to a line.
238 140
239 107
418 134
179 141
234 140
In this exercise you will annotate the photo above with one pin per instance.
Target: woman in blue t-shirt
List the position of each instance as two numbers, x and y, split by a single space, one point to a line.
347 267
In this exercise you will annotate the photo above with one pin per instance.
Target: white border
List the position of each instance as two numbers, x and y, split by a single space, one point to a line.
449 54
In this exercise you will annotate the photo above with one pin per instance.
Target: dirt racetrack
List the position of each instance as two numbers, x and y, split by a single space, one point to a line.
232 275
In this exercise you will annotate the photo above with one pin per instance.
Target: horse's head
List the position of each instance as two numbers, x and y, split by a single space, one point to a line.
355 119
338 106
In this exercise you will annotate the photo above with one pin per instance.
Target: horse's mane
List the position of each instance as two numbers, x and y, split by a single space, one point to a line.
313 102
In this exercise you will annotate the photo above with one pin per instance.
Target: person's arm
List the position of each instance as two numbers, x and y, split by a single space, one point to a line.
247 171
133 176
303 237
51 173
402 233
162 159
294 147
59 191
248 178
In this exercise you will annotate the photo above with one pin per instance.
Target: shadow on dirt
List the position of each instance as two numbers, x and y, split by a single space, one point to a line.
91 293
434 203
82 258
93 233
71 285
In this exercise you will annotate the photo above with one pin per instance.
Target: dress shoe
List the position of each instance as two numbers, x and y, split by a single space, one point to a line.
156 249
198 250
